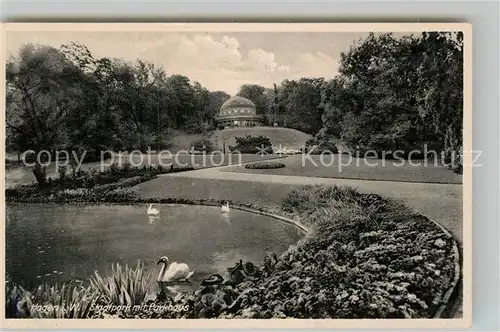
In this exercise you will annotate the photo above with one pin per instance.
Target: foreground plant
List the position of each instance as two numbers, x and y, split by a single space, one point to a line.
125 285
69 300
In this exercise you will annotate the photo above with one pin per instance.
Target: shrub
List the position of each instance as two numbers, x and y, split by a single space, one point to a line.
252 144
203 144
265 165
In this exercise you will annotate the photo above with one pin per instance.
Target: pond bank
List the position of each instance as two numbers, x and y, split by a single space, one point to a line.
412 272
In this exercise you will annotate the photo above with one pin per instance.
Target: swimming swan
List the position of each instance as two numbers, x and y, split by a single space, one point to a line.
225 208
173 273
153 211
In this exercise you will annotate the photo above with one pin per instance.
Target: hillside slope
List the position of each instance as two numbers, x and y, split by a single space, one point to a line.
289 138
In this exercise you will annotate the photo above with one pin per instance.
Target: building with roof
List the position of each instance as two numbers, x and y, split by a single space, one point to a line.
238 112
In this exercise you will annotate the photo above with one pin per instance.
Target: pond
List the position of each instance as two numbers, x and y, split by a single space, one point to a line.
56 242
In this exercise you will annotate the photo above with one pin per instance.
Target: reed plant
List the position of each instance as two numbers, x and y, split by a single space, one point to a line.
67 300
124 286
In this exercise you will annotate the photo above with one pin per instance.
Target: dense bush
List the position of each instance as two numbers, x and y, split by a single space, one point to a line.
203 144
366 257
265 165
252 144
125 286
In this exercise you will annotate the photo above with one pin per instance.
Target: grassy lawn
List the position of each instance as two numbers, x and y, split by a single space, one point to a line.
198 189
338 166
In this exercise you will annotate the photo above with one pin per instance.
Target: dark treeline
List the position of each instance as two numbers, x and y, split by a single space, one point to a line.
66 98
391 93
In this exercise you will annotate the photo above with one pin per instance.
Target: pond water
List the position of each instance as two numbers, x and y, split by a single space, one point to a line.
56 243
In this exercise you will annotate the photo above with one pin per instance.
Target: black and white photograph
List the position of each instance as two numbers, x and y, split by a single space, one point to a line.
236 172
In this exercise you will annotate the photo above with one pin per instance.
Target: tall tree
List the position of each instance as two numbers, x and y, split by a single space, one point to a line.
215 101
398 93
42 91
255 93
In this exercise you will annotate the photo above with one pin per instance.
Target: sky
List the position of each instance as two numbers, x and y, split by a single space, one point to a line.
219 61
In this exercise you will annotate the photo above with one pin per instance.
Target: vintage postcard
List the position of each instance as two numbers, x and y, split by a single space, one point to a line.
237 175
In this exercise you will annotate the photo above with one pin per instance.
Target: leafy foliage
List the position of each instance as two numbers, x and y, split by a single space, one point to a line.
69 300
319 145
399 94
265 165
257 94
252 144
125 285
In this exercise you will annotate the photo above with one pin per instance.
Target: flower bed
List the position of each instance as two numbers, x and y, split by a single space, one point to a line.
265 165
367 257
364 257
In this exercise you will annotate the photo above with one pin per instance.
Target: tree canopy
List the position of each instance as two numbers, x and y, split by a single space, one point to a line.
391 93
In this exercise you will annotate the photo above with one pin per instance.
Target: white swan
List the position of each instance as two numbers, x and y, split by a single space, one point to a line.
225 208
153 211
173 273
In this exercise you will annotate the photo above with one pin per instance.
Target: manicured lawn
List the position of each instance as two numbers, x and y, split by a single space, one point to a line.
340 166
236 191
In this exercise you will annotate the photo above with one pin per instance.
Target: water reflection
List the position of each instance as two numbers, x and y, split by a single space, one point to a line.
226 218
153 219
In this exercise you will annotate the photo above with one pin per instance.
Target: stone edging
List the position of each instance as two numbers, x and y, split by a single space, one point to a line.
455 282
294 222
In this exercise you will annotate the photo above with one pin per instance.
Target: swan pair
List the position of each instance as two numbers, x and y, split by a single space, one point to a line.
154 211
